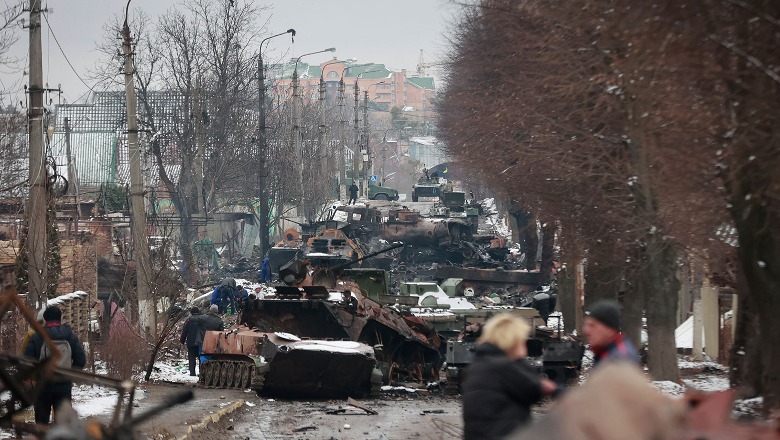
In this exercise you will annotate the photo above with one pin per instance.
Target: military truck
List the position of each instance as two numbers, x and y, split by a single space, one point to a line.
376 191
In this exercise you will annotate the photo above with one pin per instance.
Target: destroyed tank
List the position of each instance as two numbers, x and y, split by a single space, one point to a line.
299 342
284 364
458 322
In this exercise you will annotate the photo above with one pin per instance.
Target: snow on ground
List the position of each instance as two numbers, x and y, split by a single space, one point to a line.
707 364
176 371
749 407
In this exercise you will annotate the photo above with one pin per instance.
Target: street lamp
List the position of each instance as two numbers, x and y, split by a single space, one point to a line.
297 124
262 147
324 154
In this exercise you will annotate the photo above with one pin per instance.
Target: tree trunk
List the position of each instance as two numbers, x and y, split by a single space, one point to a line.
603 282
661 306
566 300
759 254
633 303
745 368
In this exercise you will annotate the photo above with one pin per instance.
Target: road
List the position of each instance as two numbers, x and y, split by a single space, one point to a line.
398 417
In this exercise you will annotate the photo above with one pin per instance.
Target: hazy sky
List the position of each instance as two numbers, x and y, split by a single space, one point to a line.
389 31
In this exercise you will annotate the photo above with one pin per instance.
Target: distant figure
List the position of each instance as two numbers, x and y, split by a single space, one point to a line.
602 331
501 386
353 193
349 301
265 271
224 295
192 337
56 390
425 171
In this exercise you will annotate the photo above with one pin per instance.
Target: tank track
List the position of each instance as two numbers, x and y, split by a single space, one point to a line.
236 374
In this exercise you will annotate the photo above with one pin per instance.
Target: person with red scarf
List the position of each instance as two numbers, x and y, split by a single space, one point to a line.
602 331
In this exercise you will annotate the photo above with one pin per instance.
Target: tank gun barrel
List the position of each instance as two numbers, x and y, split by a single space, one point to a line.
373 254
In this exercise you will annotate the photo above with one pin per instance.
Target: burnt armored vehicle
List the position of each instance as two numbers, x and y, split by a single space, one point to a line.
284 364
299 341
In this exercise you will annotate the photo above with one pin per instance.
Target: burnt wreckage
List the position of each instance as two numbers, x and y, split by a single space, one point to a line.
300 342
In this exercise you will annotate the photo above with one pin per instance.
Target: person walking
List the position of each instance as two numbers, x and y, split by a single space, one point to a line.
353 193
192 337
56 390
501 386
602 331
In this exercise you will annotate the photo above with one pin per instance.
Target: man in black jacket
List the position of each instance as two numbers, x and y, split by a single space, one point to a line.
56 390
192 337
353 193
212 321
500 385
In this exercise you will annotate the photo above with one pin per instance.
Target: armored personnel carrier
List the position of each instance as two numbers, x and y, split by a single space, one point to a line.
285 364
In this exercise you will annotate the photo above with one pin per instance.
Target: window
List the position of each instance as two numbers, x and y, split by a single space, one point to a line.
332 74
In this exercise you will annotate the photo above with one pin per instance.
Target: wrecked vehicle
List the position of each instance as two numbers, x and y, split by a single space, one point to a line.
300 341
282 363
459 322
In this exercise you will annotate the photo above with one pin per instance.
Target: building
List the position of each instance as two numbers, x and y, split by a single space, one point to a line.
428 151
386 88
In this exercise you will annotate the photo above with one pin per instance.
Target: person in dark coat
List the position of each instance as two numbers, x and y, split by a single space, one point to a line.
212 321
56 390
192 337
602 331
500 385
353 193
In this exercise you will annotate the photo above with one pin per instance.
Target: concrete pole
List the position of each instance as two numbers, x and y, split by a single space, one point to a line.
262 152
342 143
73 184
37 270
322 154
356 143
366 139
146 304
296 133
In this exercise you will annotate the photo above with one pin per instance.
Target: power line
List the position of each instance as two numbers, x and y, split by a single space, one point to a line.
51 30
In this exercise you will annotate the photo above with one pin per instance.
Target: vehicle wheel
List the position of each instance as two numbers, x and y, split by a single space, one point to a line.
231 374
246 376
381 197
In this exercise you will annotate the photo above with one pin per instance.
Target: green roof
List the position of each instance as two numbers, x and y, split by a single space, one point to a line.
372 71
423 82
94 154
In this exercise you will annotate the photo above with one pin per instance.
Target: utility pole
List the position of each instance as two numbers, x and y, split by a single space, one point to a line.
356 145
73 184
366 139
262 149
147 310
342 143
296 133
37 268
262 152
322 154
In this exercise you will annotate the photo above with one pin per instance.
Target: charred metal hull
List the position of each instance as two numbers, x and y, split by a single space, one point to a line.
318 368
283 364
406 348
